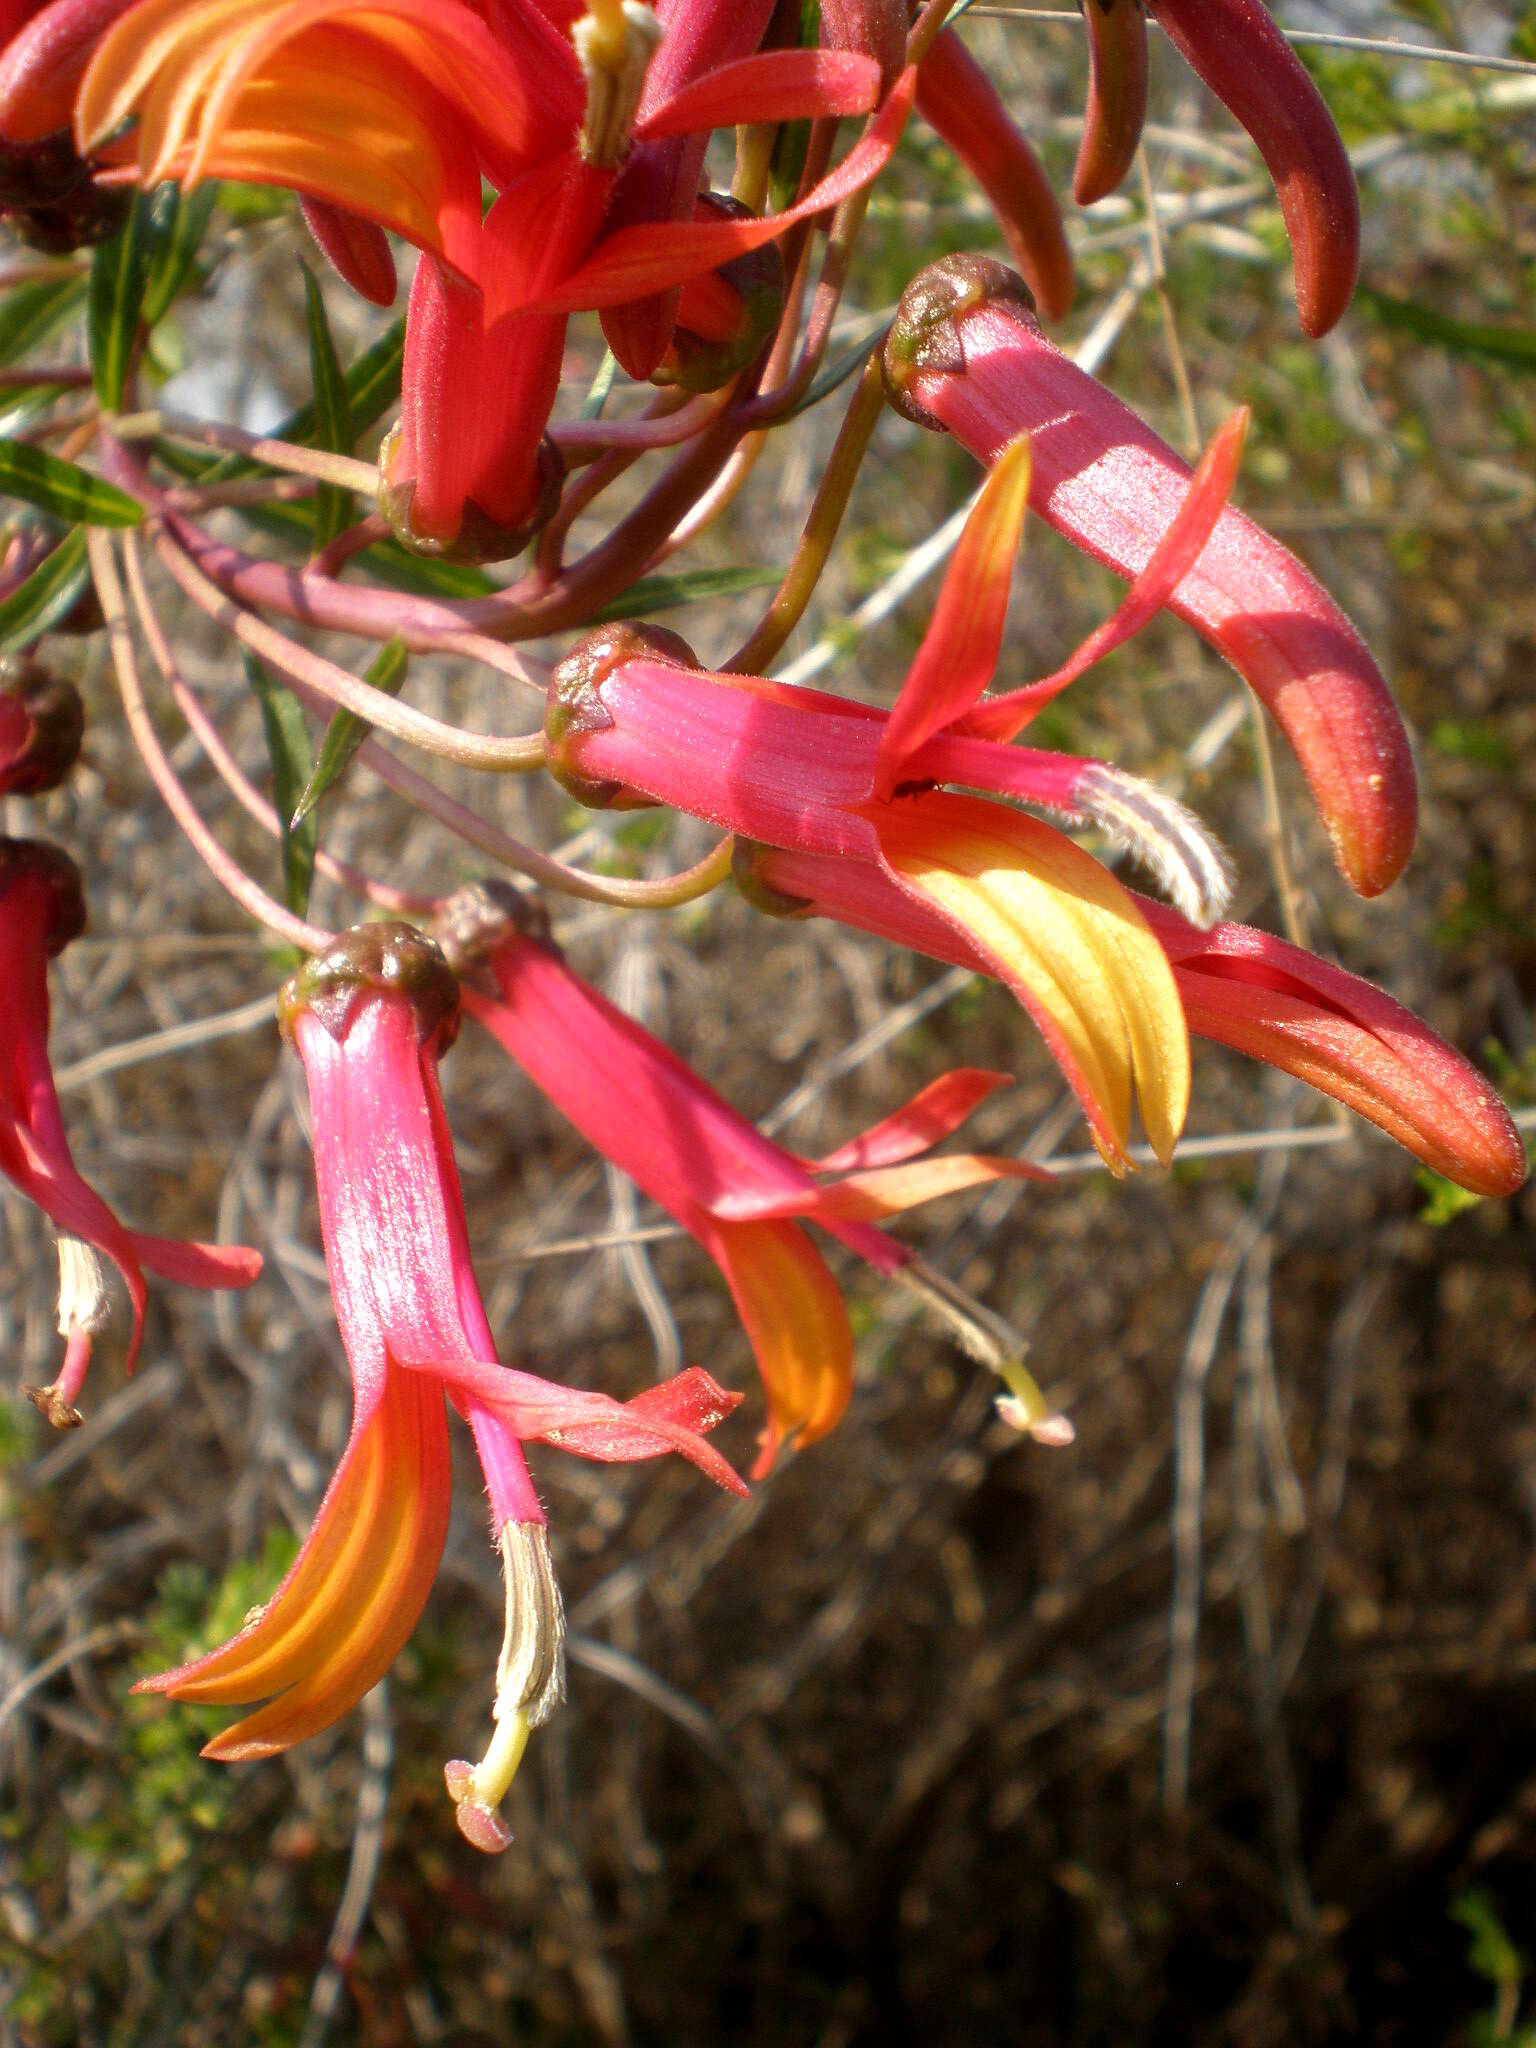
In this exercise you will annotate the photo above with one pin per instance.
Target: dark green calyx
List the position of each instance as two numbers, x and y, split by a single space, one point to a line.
380 959
480 538
477 919
926 338
51 200
37 862
575 705
704 362
748 859
54 721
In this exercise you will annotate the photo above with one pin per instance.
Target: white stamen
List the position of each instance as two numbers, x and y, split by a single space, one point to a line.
84 1307
614 66
530 1684
1188 864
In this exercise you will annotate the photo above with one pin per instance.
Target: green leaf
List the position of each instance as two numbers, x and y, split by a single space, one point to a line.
177 251
346 731
118 272
666 593
288 745
63 488
1513 346
842 367
47 596
29 314
333 417
21 404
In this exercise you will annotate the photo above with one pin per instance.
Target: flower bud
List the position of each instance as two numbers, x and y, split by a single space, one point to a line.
724 317
575 705
389 958
42 722
23 860
1237 48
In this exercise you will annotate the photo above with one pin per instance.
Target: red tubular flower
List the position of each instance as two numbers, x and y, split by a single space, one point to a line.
1239 987
962 105
370 1020
41 910
800 769
42 723
966 355
1236 47
1117 96
734 1190
660 178
384 116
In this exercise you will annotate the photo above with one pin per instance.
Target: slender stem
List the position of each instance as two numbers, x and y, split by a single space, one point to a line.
253 899
319 463
332 559
337 686
406 902
657 429
925 28
826 515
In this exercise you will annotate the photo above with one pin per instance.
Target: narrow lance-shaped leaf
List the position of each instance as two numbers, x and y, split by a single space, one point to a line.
373 386
63 488
118 272
288 745
29 314
172 260
346 731
1515 347
47 596
668 593
333 417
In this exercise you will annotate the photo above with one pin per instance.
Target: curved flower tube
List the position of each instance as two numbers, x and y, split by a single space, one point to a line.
41 910
734 1190
370 1020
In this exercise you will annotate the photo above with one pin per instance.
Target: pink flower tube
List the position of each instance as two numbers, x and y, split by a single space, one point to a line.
967 356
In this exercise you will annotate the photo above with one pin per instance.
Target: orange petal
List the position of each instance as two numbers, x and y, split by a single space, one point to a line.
794 1315
353 1595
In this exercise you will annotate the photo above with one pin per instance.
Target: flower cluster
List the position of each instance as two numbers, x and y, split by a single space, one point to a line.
548 159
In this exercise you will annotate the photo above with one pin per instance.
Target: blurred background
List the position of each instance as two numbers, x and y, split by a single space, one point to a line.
1218 1726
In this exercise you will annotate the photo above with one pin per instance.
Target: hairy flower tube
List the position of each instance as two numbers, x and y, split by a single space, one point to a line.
966 355
734 1190
1238 987
370 1020
41 910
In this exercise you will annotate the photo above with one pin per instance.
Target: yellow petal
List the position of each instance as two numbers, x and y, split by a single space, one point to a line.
794 1315
1071 944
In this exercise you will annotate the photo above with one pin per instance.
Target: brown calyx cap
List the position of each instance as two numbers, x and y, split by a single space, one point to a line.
748 858
388 958
50 198
575 704
36 860
54 722
475 920
480 538
925 335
